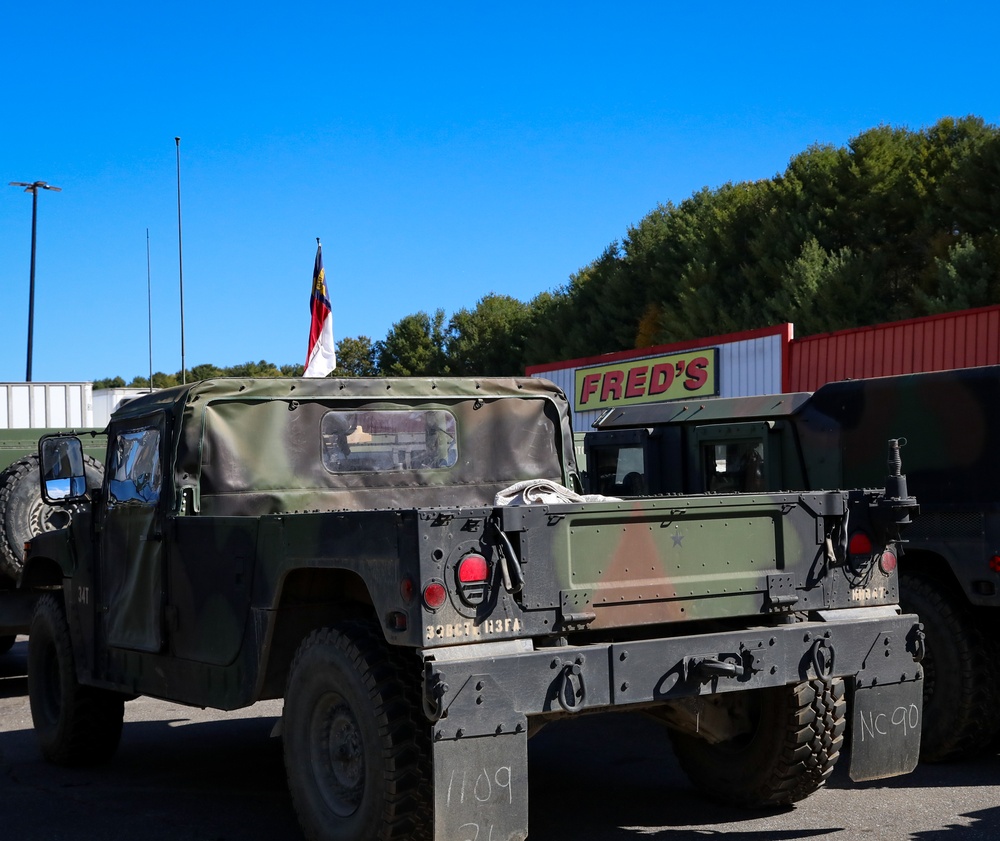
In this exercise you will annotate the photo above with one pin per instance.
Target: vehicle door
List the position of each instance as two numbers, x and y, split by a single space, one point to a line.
132 535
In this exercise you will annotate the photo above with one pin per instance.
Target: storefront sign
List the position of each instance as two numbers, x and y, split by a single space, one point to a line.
674 377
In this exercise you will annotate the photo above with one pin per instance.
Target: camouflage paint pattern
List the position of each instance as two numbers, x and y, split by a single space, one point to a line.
203 595
196 580
253 446
625 564
836 437
260 541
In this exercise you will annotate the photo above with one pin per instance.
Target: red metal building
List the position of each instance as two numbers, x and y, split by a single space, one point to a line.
953 340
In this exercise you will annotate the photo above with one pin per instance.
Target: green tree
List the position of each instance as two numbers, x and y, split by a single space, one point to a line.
109 382
356 357
967 277
549 317
701 278
605 298
844 237
414 347
160 380
254 369
204 372
488 340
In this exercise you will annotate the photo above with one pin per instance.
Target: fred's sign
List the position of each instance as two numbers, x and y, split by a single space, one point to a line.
673 377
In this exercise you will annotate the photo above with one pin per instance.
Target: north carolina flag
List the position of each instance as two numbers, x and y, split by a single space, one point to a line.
322 356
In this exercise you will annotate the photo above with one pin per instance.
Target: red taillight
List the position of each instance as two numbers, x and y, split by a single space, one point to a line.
435 595
406 589
473 570
472 575
860 544
887 563
995 563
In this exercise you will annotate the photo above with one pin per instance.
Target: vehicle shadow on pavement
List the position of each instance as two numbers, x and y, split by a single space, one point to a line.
219 780
985 824
610 777
622 767
974 771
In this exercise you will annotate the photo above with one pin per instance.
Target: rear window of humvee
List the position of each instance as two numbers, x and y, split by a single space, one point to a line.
388 440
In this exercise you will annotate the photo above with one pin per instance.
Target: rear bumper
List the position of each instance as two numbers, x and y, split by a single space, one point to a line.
480 688
479 698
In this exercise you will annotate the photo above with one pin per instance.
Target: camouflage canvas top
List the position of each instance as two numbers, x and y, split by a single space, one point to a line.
261 446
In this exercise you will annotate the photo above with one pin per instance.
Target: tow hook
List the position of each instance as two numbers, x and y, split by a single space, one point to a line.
571 689
711 667
433 697
743 664
724 668
822 655
916 642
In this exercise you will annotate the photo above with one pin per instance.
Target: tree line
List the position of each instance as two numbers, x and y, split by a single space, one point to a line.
897 224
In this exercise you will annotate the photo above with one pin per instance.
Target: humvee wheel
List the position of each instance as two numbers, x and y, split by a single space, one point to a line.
76 725
23 512
356 747
957 688
792 747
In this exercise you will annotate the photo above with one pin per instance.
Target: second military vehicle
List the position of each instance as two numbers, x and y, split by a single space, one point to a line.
28 411
407 562
835 437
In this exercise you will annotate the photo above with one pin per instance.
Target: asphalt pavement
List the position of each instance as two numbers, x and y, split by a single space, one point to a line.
184 773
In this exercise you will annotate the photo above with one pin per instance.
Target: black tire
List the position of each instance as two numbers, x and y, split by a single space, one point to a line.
6 643
794 743
357 747
958 685
76 725
23 512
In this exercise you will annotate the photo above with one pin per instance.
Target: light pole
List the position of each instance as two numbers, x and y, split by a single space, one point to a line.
32 188
180 257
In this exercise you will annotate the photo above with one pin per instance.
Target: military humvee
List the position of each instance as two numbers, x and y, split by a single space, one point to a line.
23 514
835 437
407 562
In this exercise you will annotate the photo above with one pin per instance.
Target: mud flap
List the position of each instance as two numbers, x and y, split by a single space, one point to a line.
886 722
481 788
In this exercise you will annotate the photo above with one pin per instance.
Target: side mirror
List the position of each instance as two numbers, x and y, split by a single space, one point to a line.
63 476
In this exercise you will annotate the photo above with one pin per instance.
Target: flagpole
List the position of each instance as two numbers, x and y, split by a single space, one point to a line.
321 357
180 257
149 305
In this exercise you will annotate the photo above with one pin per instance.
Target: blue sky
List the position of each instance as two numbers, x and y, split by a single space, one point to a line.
442 151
